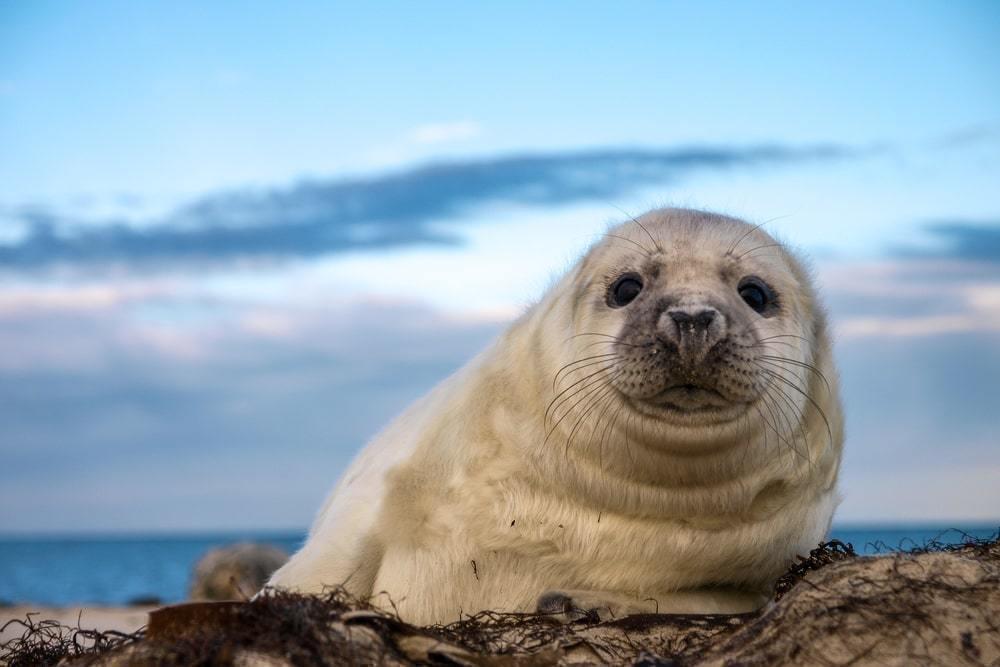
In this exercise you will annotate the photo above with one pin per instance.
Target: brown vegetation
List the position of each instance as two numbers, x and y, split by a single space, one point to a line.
934 605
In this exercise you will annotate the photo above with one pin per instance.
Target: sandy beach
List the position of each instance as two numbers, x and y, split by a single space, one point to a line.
122 619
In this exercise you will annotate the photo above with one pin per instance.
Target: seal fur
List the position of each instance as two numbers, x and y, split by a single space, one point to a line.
671 454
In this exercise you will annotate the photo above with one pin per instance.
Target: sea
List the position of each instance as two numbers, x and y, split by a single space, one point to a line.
123 570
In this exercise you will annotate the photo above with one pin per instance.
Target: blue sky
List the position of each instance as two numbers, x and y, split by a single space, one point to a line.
234 229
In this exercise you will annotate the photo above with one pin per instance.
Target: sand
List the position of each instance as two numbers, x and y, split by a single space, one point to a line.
122 619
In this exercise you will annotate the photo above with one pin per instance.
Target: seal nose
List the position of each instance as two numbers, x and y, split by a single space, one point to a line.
689 322
694 329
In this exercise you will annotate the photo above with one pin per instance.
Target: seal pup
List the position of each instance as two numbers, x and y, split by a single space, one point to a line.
661 432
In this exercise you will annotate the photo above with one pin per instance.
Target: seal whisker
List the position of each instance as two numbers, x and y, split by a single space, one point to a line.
754 228
560 398
631 217
610 429
591 372
738 241
770 402
749 426
802 338
639 245
797 412
822 414
602 404
794 362
591 333
760 247
605 355
587 391
594 399
765 345
612 342
780 371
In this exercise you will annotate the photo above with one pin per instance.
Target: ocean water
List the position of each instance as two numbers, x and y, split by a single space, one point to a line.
119 570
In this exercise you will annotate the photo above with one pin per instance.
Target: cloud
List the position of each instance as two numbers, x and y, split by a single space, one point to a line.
401 208
948 285
973 135
911 298
446 132
977 241
965 240
153 423
169 416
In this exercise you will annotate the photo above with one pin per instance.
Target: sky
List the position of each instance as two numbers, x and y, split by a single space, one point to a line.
237 238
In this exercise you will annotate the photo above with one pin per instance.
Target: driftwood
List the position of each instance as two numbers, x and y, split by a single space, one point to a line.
930 606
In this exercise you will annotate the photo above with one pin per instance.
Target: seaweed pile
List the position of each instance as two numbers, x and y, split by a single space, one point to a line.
936 604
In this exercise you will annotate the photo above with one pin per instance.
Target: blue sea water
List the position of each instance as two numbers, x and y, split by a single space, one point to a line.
118 570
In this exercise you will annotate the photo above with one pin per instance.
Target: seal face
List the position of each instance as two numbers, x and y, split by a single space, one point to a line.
663 425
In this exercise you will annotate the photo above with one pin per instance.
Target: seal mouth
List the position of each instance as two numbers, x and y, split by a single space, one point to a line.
689 404
690 398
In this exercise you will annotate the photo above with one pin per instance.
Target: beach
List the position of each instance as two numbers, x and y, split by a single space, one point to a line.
89 617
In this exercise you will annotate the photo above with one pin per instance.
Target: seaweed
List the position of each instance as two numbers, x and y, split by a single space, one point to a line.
831 607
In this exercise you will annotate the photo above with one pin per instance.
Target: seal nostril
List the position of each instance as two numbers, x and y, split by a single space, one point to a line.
704 319
680 317
699 320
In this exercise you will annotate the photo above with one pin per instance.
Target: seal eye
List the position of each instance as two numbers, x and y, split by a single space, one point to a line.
756 294
624 290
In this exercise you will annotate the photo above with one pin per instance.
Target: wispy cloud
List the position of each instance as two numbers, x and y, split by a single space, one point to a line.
438 133
960 239
948 285
402 208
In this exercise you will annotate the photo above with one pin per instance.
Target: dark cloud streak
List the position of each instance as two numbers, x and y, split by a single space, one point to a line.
403 208
959 239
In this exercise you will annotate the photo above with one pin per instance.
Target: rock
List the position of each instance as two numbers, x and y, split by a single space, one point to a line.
235 572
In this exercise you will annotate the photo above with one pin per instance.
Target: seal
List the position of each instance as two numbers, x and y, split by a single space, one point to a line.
661 432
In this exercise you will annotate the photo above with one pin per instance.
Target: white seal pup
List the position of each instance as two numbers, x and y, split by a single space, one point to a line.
661 432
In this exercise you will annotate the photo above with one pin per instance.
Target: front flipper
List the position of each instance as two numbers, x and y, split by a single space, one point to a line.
569 606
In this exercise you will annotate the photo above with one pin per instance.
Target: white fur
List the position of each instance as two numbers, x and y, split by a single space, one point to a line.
468 502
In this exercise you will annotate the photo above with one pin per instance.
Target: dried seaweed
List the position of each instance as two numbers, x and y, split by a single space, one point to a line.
831 607
47 642
821 556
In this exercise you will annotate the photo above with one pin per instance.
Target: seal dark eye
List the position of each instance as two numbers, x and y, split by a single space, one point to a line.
624 290
756 294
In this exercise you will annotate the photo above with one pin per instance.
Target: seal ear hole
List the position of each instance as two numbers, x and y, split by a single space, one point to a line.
758 295
624 290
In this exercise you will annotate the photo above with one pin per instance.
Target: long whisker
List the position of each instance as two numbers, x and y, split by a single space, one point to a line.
795 362
797 412
595 399
591 333
771 404
578 369
607 431
555 380
601 402
765 344
829 429
635 243
641 226
735 245
784 336
575 387
588 383
618 342
760 247
738 241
